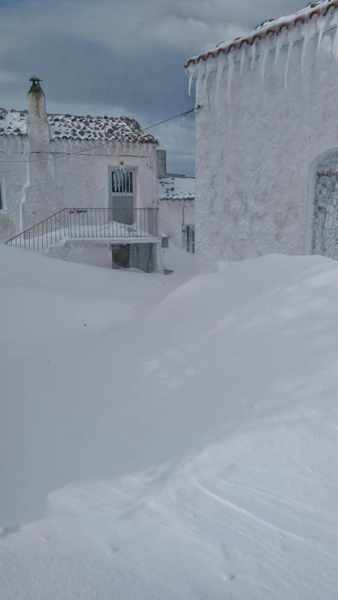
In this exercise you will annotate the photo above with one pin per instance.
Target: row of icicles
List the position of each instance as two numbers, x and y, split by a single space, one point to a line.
200 72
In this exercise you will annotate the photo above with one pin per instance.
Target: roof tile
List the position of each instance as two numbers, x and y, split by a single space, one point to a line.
78 127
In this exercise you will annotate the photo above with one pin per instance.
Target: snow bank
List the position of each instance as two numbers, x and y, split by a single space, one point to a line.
54 319
212 425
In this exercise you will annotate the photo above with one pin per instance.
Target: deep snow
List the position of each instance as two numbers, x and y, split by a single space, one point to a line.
207 417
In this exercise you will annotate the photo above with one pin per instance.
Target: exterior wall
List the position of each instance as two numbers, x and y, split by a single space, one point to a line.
84 181
268 114
14 152
174 215
143 256
34 185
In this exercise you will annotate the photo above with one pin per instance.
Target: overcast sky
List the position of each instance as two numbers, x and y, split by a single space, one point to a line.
120 56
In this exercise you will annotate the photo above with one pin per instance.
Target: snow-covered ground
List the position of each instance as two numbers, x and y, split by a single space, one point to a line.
191 431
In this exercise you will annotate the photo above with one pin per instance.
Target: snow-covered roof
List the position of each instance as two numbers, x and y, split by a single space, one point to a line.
78 127
177 187
271 27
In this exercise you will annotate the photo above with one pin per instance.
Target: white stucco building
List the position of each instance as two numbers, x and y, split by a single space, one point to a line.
177 218
267 139
50 162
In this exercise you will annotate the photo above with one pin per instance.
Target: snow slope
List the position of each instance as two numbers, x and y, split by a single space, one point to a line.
54 319
211 428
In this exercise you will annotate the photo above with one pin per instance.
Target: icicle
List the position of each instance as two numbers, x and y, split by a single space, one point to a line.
231 64
203 88
219 74
191 76
278 48
309 31
335 44
265 49
253 54
291 41
321 27
200 76
306 38
219 99
243 59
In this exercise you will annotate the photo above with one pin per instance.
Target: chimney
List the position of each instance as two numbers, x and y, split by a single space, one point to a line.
37 123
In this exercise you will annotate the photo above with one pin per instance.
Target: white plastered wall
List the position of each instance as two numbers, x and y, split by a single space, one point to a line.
269 113
174 215
73 174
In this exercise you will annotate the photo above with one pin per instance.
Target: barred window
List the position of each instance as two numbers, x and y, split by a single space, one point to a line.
122 181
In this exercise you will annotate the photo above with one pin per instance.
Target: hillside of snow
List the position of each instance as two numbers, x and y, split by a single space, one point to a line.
186 435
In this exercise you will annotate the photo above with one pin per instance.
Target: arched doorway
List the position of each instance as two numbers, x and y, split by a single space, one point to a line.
325 219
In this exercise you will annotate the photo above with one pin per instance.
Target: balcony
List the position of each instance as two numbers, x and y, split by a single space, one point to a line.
115 226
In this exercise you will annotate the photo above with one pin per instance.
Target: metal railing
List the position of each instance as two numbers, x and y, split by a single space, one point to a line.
116 224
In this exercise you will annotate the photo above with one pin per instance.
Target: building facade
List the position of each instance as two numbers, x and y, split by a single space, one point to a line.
177 210
267 139
53 161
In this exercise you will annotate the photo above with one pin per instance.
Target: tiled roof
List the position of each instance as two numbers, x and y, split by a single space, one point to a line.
175 187
271 27
76 127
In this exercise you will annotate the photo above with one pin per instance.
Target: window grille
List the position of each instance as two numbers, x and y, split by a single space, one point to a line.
122 181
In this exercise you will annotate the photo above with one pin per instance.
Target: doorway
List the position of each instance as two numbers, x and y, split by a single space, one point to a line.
325 223
122 197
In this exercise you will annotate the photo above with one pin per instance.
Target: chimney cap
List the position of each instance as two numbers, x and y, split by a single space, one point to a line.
35 87
35 79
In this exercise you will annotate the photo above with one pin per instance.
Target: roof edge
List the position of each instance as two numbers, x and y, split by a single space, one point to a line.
143 136
274 29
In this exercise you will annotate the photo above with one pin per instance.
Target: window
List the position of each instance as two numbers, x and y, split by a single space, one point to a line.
1 197
122 181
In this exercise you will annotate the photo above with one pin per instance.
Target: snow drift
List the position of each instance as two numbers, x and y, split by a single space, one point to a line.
208 421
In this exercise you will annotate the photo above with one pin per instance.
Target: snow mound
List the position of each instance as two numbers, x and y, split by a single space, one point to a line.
211 428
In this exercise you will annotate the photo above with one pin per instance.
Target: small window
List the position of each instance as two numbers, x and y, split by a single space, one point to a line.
1 198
